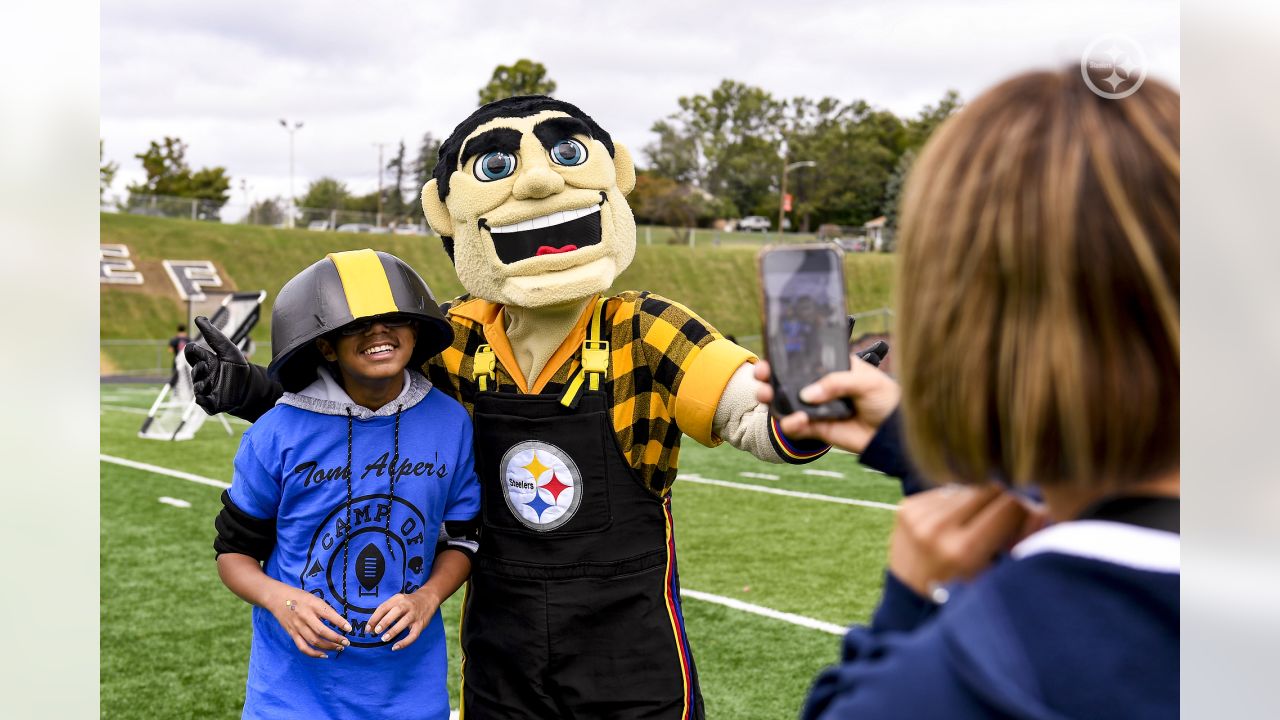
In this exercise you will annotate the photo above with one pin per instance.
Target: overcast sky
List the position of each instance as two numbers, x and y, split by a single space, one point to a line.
220 75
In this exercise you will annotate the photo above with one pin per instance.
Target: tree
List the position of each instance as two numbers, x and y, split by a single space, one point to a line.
730 143
893 197
394 202
106 171
856 147
270 211
423 165
168 175
922 126
325 193
525 77
659 200
726 143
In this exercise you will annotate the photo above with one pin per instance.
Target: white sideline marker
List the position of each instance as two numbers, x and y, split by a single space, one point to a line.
164 471
695 478
802 621
758 476
174 502
823 473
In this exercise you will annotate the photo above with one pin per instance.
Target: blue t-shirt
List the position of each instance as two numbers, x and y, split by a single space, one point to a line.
290 467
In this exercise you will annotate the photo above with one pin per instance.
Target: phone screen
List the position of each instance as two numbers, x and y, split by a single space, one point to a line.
806 326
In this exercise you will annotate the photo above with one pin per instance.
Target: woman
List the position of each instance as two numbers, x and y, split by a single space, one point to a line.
1038 347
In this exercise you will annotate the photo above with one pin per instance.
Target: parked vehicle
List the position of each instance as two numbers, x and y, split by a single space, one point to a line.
319 225
754 223
355 228
408 229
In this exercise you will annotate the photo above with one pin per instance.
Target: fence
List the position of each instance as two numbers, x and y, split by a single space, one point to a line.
272 212
150 359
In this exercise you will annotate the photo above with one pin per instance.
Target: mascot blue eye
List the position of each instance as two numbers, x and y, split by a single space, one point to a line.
568 152
494 166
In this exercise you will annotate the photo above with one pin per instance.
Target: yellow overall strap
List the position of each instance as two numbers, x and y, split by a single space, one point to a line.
483 367
595 359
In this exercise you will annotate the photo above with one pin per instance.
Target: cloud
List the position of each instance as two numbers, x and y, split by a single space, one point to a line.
220 75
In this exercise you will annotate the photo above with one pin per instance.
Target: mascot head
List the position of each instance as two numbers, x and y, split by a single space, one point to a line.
529 195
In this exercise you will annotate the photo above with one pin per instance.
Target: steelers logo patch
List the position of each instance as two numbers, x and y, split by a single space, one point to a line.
541 484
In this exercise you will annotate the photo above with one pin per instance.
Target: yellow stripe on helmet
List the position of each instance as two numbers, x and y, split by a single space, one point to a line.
364 282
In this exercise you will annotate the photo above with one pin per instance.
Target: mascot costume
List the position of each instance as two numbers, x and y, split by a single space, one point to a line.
579 402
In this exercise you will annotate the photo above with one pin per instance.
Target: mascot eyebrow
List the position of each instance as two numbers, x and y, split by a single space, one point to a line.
549 132
496 140
513 107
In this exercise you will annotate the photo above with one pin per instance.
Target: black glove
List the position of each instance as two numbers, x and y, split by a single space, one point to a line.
223 379
875 354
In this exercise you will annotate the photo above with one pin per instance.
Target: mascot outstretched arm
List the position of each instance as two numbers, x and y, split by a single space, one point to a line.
579 401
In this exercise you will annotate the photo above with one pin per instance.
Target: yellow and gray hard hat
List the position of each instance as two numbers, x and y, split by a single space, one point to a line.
340 289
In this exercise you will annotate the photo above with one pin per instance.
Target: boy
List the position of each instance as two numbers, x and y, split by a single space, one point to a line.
357 492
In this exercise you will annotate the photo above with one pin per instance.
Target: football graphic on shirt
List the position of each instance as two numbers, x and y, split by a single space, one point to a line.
370 566
365 552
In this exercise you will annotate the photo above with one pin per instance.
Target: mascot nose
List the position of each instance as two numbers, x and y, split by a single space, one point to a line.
536 183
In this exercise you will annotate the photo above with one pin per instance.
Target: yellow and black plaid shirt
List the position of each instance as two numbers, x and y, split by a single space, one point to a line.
667 370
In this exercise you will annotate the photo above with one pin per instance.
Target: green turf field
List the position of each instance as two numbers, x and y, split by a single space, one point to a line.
175 642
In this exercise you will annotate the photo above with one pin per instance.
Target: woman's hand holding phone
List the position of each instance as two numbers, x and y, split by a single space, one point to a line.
874 395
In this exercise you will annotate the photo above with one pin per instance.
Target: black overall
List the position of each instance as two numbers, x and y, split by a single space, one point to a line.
578 616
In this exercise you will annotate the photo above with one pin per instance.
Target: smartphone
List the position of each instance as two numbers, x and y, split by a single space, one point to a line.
806 329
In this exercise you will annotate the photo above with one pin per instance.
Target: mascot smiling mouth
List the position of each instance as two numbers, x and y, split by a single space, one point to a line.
559 232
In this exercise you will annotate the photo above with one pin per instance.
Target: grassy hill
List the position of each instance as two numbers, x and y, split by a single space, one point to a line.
717 282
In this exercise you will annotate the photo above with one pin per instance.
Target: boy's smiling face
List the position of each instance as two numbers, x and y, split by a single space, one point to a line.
374 356
537 211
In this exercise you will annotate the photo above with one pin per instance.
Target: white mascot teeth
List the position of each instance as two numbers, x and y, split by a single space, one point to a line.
555 218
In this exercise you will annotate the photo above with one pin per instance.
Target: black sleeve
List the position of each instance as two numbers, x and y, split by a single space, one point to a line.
460 535
261 396
240 532
887 453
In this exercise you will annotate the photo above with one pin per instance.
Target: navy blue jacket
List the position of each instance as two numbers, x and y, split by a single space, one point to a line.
1080 622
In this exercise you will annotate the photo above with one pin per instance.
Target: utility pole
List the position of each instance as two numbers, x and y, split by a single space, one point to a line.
244 189
291 129
378 220
782 199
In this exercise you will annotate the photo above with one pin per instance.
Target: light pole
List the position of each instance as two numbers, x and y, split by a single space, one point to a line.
782 200
378 218
291 129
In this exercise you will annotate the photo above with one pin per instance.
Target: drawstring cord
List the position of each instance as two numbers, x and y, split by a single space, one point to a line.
391 502
395 460
346 542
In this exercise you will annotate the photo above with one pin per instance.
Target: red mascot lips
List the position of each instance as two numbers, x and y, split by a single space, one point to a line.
548 250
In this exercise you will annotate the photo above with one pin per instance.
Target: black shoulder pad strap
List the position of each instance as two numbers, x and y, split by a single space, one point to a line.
240 532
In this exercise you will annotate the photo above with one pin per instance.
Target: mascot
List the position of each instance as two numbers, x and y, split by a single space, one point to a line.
579 401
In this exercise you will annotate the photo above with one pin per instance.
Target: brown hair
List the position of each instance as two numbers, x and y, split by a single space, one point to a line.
1038 287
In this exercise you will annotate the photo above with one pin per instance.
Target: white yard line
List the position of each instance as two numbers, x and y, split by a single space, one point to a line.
762 611
174 502
163 471
695 478
758 476
822 473
124 408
